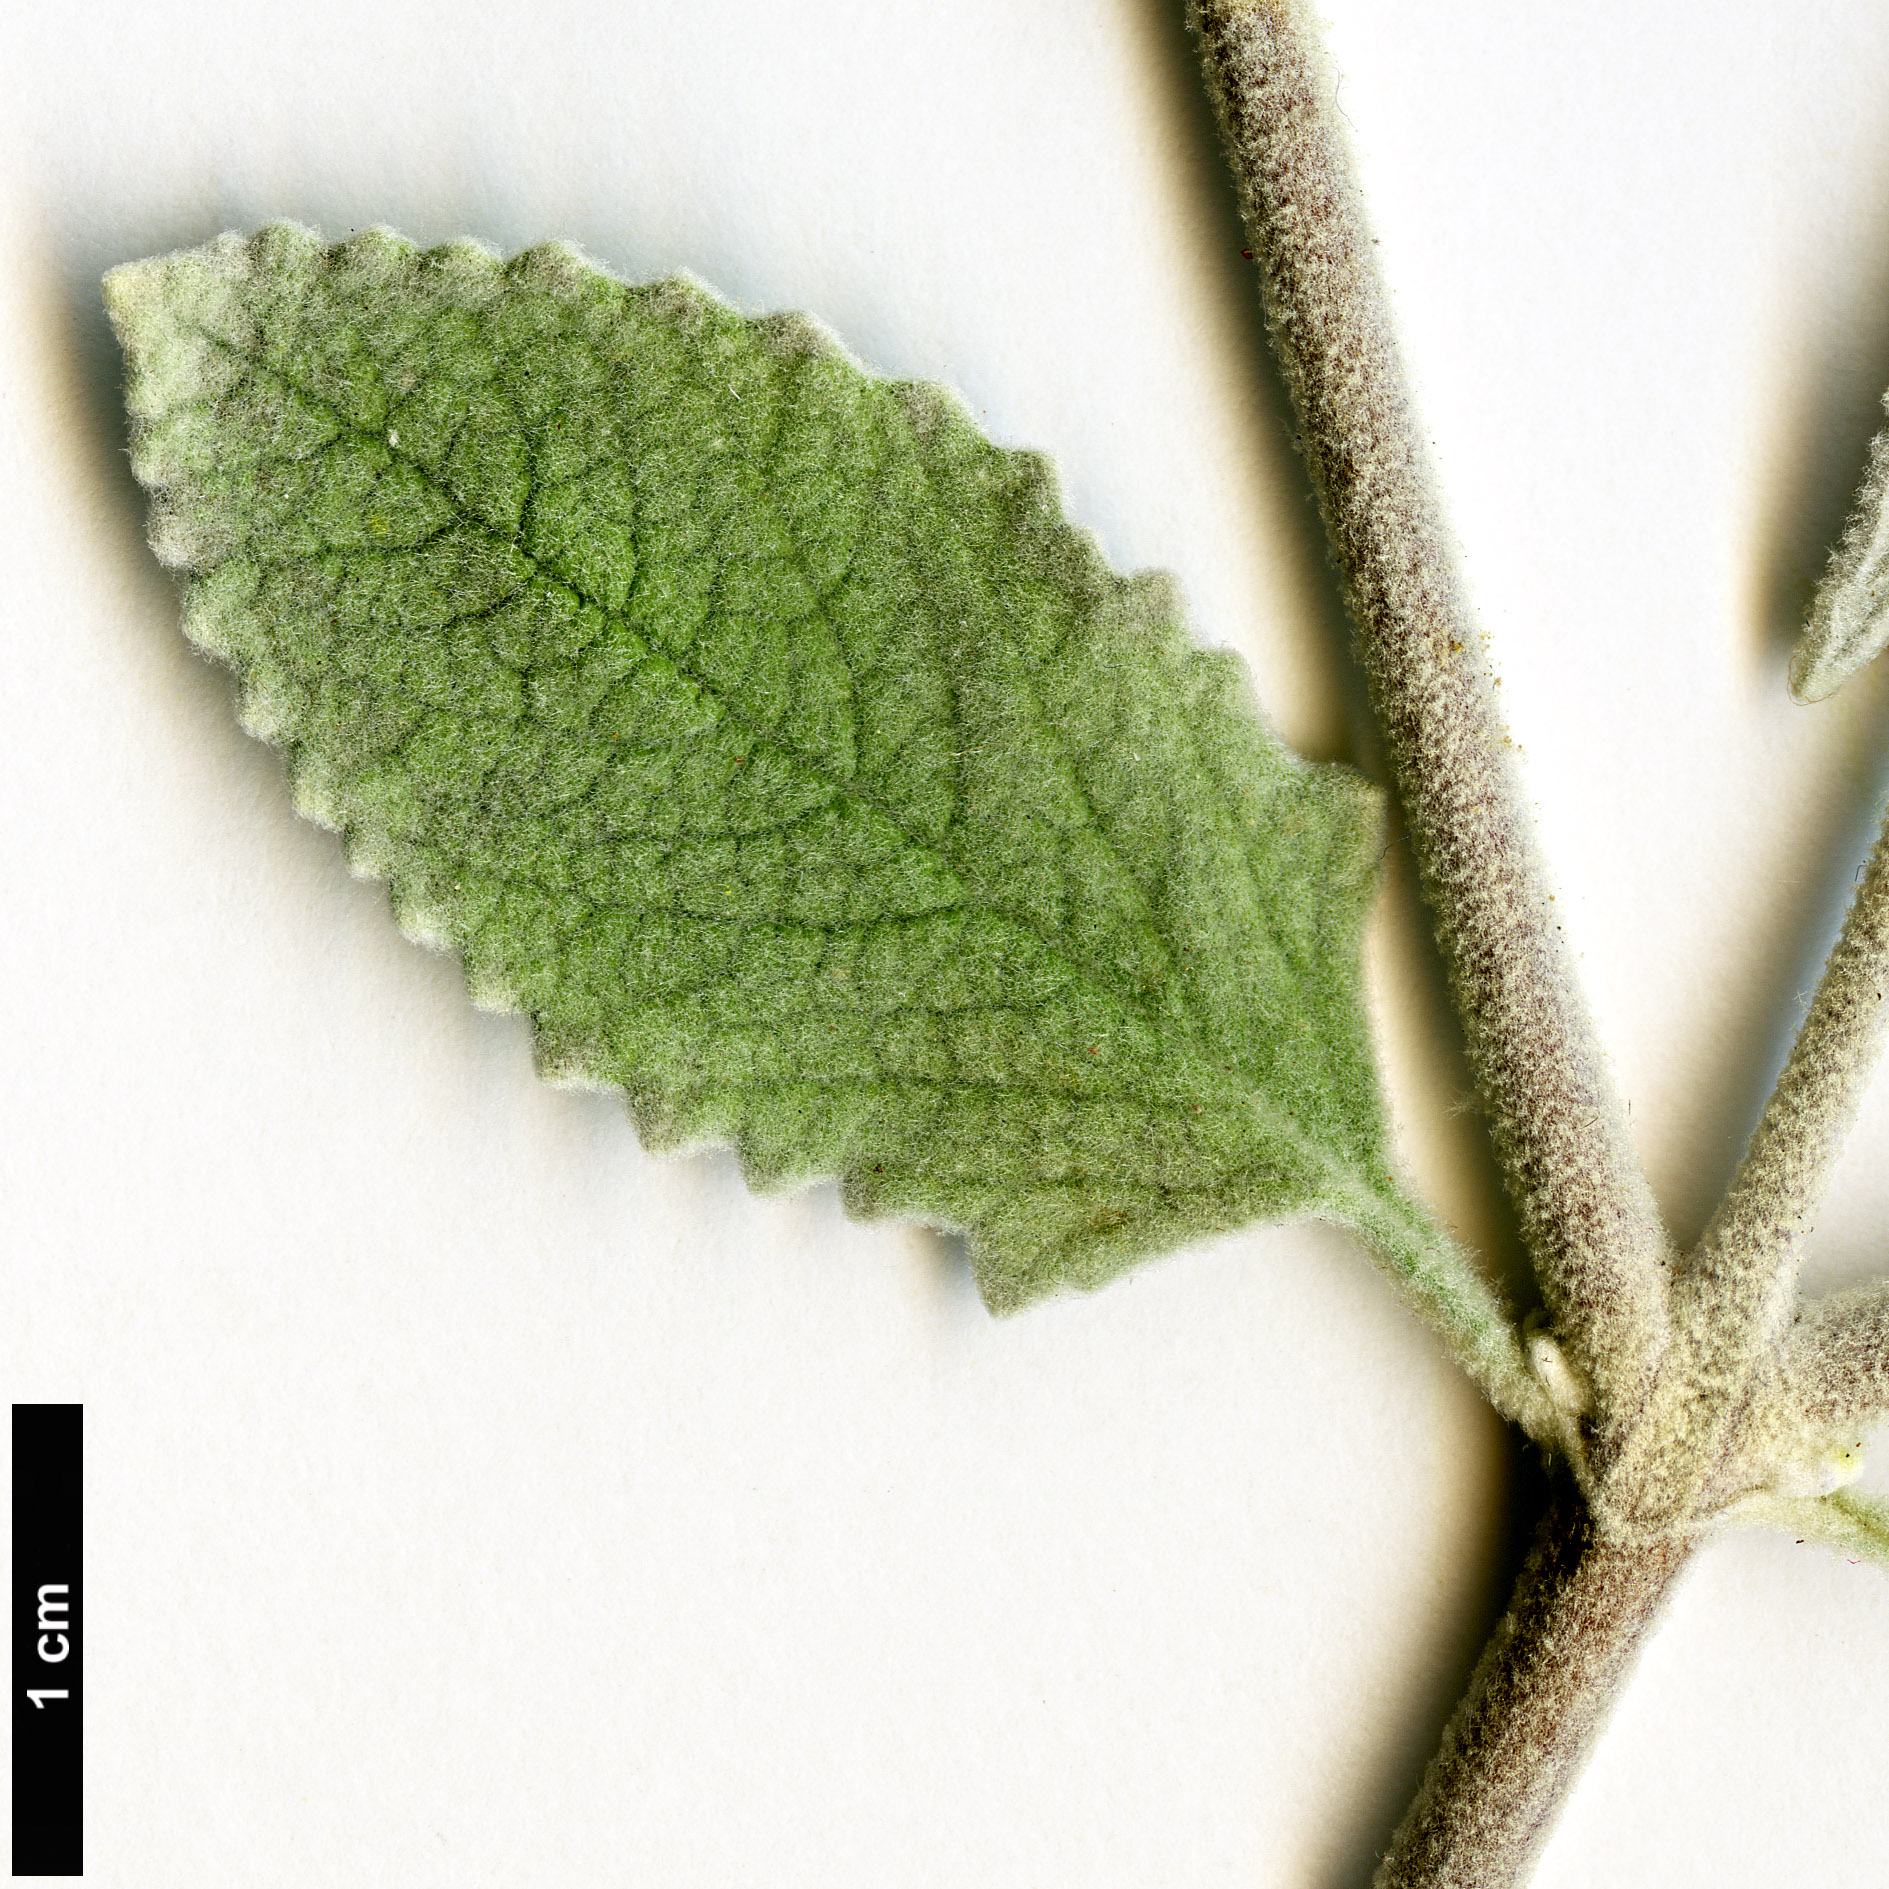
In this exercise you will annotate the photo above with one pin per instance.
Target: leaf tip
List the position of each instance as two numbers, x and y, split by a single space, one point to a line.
1848 624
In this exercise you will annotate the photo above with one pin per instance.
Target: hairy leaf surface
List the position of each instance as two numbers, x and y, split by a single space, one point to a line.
1849 616
768 736
1851 1521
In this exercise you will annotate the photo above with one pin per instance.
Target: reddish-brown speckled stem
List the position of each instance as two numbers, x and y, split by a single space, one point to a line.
1584 1602
1593 1232
1549 1675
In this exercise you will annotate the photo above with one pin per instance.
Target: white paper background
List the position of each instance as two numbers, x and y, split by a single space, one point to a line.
475 1499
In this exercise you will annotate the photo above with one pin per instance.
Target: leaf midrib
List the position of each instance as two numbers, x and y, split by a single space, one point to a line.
1281 1122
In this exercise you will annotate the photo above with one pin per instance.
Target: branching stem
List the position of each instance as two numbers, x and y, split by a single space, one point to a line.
1594 1235
1734 1300
1745 1271
1695 1400
1548 1676
1593 1232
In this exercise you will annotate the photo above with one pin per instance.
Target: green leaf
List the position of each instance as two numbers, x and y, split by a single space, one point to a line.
1851 1521
769 737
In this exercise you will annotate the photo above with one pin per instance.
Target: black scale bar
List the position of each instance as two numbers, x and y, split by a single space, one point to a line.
48 1625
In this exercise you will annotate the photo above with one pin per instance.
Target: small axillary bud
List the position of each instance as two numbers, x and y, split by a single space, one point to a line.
1567 1388
1819 1471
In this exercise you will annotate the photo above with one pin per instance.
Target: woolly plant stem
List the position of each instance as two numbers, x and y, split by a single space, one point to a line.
1733 1301
1837 1361
1746 1268
1575 1622
1593 1232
